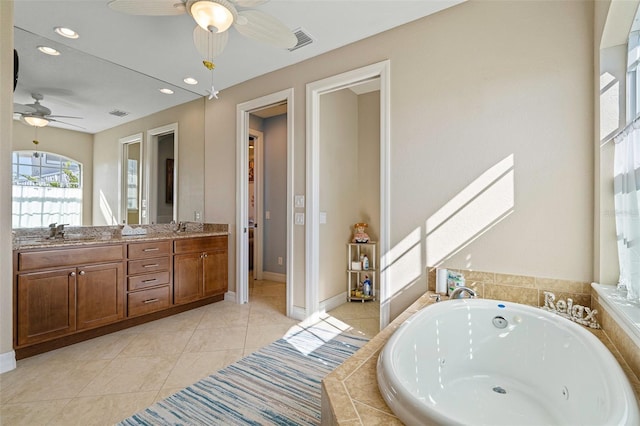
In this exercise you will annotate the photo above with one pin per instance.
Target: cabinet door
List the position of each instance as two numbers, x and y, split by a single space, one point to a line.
46 305
100 295
187 277
215 273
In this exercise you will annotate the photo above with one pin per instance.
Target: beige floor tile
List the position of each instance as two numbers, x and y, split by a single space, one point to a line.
259 336
185 321
103 410
159 343
224 317
132 374
192 367
103 347
31 413
166 393
57 380
216 339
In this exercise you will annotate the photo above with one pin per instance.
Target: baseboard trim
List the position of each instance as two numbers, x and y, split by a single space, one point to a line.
230 296
298 313
333 302
274 276
7 361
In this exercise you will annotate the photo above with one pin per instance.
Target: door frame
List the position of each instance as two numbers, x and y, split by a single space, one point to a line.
315 89
243 111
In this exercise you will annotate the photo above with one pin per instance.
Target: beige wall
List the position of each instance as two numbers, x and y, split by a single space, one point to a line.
369 162
7 359
477 89
339 186
190 164
75 145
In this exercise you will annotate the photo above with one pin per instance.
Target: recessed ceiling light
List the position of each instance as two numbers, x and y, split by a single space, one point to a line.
190 80
48 50
66 32
167 91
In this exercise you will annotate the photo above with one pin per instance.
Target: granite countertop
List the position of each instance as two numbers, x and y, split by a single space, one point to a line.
25 239
350 394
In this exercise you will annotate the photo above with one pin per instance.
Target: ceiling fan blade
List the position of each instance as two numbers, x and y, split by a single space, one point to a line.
62 116
209 44
249 3
260 26
23 109
68 124
148 7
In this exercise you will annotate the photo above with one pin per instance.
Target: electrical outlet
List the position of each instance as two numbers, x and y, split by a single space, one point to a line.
299 219
267 214
299 201
280 260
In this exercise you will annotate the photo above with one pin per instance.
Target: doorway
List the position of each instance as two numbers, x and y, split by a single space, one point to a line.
256 194
131 180
379 72
160 200
283 99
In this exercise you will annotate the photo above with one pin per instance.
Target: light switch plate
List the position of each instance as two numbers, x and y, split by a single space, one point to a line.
298 201
323 217
299 218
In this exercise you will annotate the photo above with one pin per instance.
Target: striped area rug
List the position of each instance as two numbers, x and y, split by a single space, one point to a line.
276 385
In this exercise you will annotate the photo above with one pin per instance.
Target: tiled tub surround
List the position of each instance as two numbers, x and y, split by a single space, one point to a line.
25 238
350 394
520 288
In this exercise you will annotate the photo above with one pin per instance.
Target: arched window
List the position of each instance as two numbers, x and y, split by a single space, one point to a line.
47 188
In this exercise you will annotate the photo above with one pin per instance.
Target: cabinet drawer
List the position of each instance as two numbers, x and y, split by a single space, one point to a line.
143 302
150 249
43 259
148 265
147 280
199 244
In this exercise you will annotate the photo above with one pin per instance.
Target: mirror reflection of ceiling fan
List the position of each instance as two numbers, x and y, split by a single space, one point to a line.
214 18
38 115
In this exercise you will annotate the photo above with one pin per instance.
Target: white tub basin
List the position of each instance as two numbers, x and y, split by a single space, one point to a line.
451 363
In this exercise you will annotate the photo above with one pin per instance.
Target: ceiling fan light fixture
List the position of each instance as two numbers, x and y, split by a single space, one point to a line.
35 121
215 16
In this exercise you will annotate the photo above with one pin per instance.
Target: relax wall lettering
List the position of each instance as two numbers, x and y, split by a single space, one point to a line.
577 313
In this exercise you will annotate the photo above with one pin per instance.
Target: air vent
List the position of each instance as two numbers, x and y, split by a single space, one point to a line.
118 113
303 39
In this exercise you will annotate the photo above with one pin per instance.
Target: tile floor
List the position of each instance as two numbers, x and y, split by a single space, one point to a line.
106 379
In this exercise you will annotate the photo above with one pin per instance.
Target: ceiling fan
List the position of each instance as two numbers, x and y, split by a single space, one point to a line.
214 18
38 115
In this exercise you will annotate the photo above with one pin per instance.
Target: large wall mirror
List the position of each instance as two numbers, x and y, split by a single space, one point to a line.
106 95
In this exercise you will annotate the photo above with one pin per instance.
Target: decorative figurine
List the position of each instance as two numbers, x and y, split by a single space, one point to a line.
359 236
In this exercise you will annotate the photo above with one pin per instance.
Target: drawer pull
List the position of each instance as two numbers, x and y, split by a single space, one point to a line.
73 274
150 266
82 272
151 300
152 249
150 280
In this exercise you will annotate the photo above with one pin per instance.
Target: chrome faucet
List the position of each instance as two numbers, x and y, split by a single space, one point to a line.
56 231
459 291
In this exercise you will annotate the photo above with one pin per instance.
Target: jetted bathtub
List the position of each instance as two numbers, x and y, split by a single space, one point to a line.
486 362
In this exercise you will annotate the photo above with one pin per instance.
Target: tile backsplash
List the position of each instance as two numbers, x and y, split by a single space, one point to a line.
520 288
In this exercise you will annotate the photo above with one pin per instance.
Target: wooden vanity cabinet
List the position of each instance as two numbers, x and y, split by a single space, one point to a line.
200 268
61 291
149 277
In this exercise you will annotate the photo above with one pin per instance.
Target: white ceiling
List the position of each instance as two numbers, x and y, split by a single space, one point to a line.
120 61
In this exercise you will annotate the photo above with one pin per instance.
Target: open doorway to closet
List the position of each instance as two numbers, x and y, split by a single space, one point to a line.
264 213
